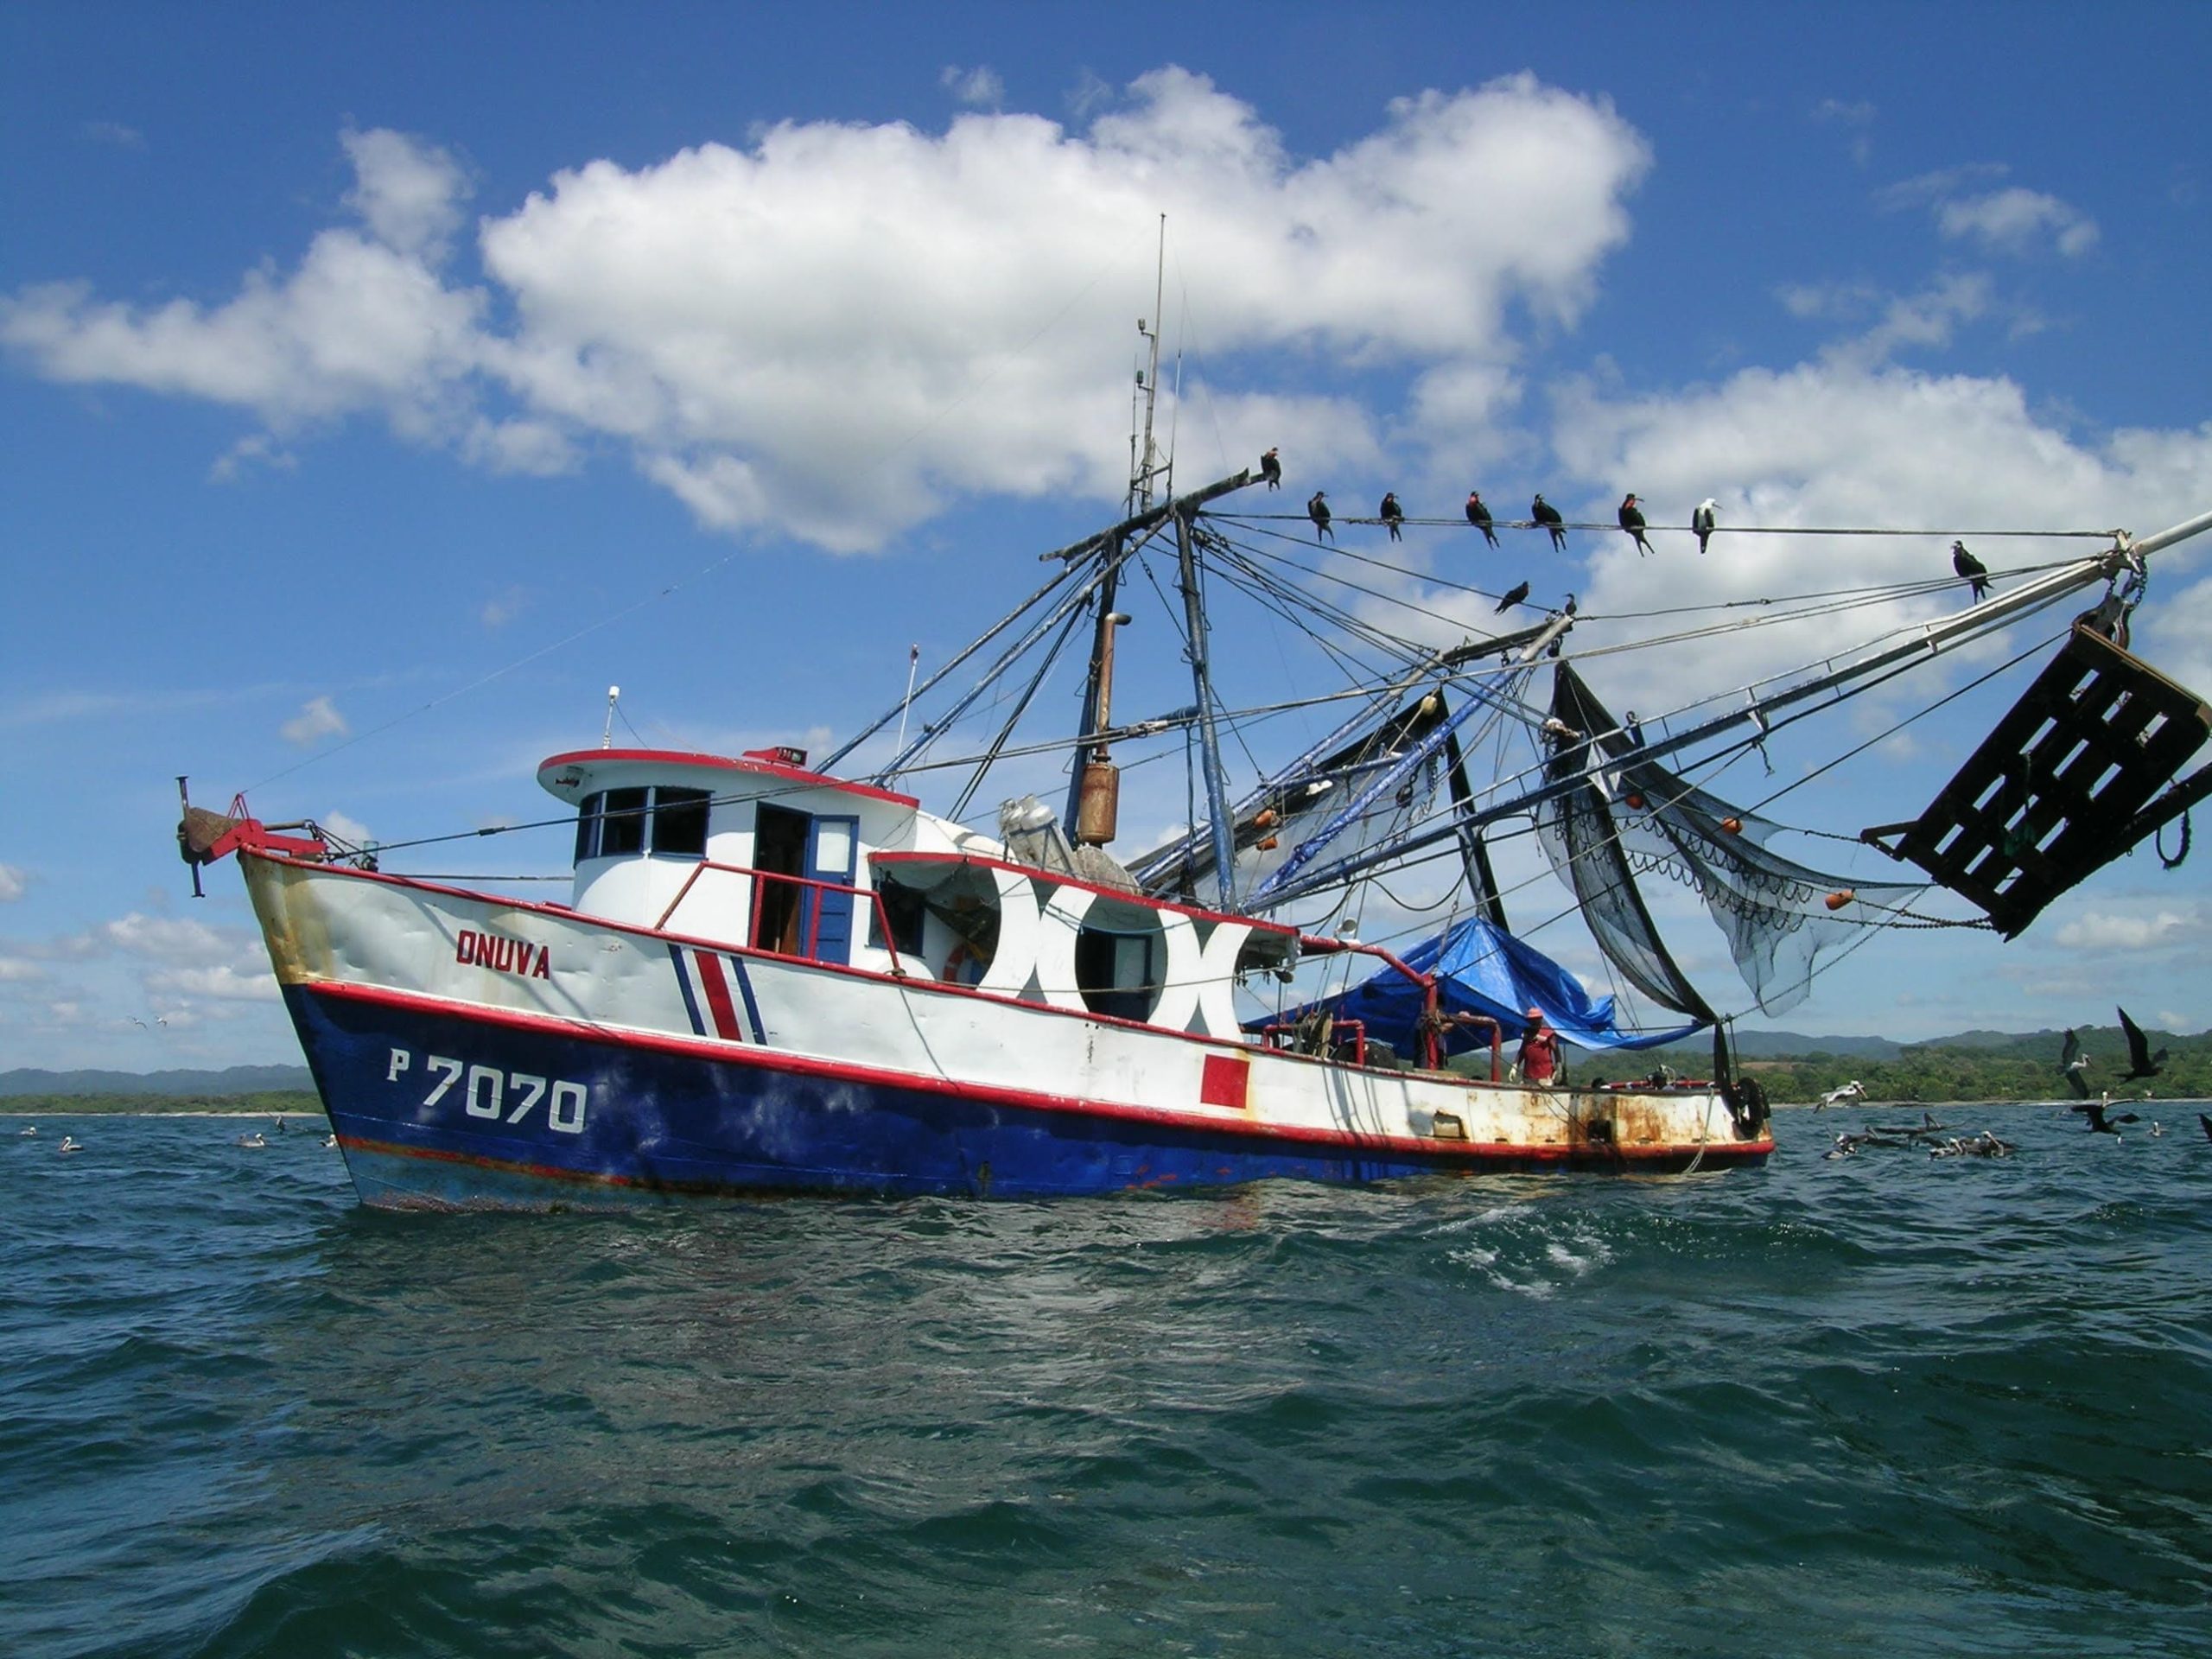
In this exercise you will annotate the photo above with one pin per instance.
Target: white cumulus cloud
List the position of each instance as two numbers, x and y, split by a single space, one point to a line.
2011 219
365 321
980 86
838 328
318 718
1838 442
223 983
12 882
2127 932
2016 220
346 828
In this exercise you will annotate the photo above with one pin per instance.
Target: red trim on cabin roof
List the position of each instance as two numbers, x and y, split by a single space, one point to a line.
723 762
1142 901
845 1071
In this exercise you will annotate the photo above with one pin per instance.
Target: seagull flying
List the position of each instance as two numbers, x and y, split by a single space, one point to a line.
1632 522
1548 515
1318 511
2141 1062
1271 469
1703 520
1971 568
1392 514
1478 516
1513 596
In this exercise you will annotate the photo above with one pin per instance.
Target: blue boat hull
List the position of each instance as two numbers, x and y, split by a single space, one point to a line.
435 1106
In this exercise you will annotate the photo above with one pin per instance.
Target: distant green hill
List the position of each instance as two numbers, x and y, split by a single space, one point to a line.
233 1080
301 1103
1970 1065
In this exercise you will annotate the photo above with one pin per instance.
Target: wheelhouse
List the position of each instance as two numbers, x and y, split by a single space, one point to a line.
759 852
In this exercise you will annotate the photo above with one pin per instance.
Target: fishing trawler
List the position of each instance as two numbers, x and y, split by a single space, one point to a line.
774 975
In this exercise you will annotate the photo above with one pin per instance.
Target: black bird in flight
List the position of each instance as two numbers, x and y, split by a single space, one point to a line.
1514 596
1970 567
2141 1062
1703 520
1632 522
2100 1124
1318 511
1391 514
2071 1060
1548 515
1478 516
1271 469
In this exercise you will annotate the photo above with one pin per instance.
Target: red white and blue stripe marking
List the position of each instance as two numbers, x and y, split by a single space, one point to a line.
706 979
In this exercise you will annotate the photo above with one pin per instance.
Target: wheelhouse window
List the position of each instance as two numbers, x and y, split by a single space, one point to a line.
623 823
905 908
680 823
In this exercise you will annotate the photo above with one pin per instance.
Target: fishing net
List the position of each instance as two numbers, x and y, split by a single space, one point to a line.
1621 816
1357 794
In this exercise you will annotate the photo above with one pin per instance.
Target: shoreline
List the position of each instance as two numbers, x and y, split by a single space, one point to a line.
315 1115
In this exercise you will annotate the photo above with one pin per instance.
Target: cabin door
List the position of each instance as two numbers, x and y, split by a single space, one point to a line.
832 855
780 837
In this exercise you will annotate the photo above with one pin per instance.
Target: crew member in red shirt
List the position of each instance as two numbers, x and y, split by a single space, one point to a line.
1539 1050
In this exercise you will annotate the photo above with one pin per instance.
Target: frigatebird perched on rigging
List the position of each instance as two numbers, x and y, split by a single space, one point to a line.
1271 469
1318 511
1970 567
1702 521
1632 522
2141 1062
1478 516
2071 1059
1548 515
1514 596
1391 514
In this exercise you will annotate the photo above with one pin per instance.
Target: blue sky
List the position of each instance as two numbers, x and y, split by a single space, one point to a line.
383 383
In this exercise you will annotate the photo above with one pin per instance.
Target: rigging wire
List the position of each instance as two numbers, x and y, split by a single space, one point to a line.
1613 529
1876 592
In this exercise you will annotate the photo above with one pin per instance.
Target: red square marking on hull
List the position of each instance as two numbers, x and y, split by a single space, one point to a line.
1224 1081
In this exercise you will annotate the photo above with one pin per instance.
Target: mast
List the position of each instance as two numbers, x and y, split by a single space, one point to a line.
1194 614
1094 791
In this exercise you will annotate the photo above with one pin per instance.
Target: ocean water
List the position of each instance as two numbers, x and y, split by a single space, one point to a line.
1856 1406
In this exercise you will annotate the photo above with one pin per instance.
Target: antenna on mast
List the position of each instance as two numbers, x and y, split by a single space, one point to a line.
913 663
606 735
1146 462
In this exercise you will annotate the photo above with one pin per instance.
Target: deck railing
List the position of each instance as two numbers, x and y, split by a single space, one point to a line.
763 880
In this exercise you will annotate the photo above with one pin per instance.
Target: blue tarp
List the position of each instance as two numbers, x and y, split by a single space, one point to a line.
1481 969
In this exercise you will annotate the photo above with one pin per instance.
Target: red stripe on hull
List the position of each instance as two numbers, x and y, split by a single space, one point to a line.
717 989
